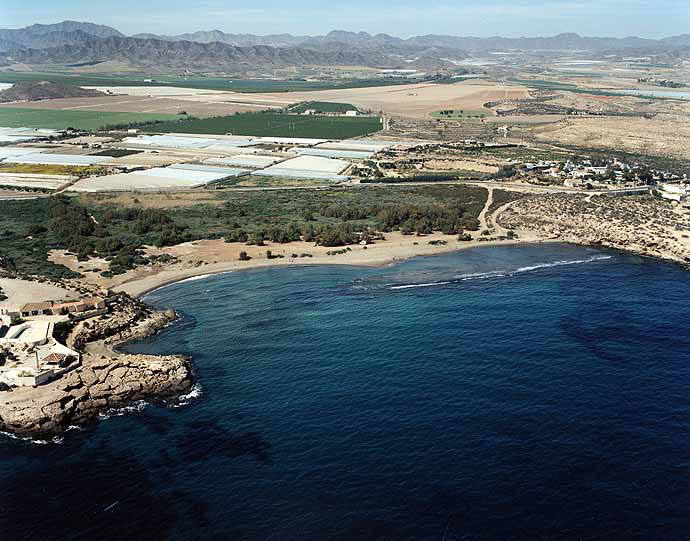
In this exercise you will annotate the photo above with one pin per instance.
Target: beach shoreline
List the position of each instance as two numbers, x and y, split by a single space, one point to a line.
142 286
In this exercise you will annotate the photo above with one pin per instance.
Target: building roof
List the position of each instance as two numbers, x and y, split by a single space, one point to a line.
80 302
36 306
54 357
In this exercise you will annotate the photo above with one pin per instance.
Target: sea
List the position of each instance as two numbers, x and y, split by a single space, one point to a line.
508 392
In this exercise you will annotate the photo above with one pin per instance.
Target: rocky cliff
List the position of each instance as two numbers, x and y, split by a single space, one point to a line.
100 384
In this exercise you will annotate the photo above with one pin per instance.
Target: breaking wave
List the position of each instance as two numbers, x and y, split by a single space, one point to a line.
56 440
193 394
134 407
503 273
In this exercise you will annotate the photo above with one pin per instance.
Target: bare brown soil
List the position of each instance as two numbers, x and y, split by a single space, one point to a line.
416 101
665 135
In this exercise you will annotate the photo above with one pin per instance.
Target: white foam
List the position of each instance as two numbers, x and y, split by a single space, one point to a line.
561 263
194 278
57 440
431 284
185 399
135 407
504 273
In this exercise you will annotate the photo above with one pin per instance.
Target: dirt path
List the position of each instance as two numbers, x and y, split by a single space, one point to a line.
496 214
483 224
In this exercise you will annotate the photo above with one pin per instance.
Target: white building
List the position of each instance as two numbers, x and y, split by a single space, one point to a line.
674 192
30 356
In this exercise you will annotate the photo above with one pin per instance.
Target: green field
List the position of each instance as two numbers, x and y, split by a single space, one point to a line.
80 120
274 125
323 107
542 84
206 83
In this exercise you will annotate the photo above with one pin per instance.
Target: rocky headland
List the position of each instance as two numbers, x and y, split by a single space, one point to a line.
106 378
642 225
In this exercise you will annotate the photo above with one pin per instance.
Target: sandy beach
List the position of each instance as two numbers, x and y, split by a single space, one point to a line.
217 257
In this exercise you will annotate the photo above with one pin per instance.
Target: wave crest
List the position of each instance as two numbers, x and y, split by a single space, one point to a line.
504 273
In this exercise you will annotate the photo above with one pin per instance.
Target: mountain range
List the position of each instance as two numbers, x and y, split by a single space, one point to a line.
71 42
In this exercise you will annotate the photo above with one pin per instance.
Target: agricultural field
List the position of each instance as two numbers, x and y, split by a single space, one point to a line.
323 107
207 83
416 100
80 120
542 84
150 100
273 125
50 169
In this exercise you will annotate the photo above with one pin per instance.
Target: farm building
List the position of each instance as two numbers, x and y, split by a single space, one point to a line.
29 180
57 159
13 152
25 135
328 153
175 177
302 141
247 160
189 142
308 167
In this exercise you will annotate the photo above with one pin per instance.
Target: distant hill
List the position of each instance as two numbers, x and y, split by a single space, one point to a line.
238 40
79 43
385 42
44 90
39 36
187 54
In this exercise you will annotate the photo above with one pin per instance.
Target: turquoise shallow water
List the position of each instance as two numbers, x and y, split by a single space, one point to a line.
517 392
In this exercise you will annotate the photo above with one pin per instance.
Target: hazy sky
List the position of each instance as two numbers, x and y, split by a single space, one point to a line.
650 18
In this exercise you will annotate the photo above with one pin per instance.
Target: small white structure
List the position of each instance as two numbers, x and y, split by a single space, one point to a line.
674 192
30 356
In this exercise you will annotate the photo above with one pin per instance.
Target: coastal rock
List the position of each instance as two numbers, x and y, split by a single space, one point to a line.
92 389
106 378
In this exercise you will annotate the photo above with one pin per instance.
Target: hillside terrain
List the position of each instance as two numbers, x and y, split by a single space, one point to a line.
45 90
76 44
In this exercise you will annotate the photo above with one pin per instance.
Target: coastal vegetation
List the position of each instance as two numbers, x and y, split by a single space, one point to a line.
428 177
501 197
96 225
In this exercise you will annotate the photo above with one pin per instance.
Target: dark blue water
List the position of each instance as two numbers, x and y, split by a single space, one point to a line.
537 392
